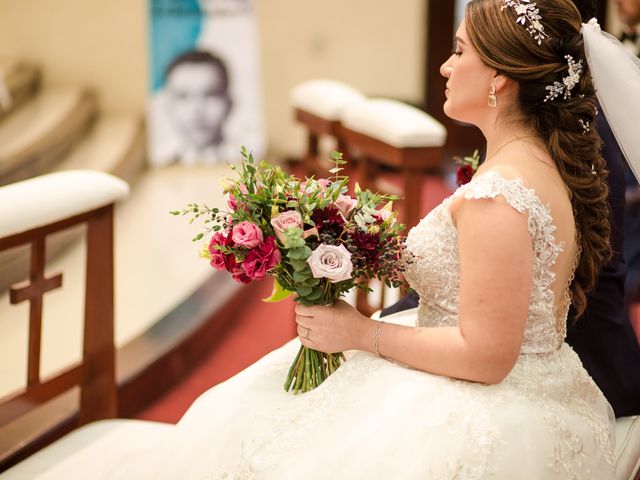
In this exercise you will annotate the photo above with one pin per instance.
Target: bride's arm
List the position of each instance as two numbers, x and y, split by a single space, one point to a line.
496 265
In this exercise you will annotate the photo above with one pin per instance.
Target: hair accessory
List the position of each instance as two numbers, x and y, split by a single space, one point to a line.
593 170
493 100
527 11
585 126
568 82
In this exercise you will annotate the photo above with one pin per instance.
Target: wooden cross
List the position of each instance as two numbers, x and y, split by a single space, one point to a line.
33 290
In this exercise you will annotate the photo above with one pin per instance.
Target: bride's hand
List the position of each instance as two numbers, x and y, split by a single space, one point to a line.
331 329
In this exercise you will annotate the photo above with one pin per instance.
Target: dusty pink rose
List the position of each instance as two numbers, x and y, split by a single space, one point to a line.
345 204
332 262
262 259
246 234
220 260
284 220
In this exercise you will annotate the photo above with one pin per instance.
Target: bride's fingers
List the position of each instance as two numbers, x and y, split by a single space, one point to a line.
304 311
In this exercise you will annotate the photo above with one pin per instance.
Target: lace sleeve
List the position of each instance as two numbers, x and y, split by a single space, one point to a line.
520 198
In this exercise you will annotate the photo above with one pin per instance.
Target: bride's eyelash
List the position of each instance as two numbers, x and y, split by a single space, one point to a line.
456 52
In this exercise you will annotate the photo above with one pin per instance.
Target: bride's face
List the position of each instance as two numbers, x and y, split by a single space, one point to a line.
468 82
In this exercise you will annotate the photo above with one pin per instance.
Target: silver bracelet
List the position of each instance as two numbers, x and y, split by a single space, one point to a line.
376 338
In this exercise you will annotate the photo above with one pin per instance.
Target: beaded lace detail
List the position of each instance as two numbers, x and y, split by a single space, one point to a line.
435 273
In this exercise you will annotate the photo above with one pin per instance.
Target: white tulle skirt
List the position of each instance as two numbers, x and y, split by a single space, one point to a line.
376 419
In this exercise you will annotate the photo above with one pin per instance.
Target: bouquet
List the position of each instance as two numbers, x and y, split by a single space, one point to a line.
316 242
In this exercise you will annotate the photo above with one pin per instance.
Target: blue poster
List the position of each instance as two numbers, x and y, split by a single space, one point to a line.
204 82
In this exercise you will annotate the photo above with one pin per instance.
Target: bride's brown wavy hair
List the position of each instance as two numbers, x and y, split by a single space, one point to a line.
506 46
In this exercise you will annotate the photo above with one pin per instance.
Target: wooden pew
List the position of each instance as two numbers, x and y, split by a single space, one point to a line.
32 210
318 105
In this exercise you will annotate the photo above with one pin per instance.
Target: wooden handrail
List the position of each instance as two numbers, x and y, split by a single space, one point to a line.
95 375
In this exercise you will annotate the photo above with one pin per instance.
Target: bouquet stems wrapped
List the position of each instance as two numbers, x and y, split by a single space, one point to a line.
315 240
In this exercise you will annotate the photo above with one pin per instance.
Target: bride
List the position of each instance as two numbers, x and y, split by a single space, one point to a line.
477 383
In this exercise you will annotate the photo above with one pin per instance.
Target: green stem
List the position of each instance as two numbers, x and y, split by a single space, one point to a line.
292 370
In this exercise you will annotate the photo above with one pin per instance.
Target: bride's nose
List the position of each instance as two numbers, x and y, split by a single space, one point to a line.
445 69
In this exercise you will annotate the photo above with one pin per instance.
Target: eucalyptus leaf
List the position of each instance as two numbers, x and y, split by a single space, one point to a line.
303 291
301 253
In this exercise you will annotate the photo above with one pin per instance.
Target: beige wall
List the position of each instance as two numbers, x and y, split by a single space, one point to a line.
98 43
375 46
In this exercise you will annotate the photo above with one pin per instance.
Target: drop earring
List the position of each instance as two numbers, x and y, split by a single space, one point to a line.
493 100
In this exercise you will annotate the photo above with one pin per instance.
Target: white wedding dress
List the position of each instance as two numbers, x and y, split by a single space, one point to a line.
376 419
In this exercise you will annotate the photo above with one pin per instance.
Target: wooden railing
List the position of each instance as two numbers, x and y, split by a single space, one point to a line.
30 211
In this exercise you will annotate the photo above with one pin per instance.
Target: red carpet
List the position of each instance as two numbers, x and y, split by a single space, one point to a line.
261 327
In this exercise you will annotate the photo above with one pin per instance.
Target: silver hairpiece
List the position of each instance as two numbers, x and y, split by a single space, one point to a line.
586 126
568 82
527 11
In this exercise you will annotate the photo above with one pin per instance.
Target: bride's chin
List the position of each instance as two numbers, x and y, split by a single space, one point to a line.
449 111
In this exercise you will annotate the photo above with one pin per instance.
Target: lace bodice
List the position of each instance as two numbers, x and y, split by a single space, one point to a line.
435 271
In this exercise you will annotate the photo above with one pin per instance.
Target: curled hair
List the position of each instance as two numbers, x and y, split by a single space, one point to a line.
507 47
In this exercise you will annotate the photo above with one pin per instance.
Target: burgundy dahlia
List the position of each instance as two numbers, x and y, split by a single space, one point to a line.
368 245
328 220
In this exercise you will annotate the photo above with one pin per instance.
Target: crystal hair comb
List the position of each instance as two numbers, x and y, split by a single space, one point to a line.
527 12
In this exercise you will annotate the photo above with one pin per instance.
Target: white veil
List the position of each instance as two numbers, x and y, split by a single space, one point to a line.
616 77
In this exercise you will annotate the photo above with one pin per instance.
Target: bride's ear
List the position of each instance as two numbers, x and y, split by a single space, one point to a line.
501 82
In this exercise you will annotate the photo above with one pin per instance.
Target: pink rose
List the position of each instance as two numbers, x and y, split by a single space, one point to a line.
284 220
332 262
262 259
345 204
232 202
220 260
246 234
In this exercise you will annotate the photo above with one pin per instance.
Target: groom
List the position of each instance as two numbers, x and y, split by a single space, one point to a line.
603 337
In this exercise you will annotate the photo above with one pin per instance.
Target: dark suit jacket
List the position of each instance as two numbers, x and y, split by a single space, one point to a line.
603 337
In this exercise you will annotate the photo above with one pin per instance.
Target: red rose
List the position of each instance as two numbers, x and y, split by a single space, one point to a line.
464 174
240 276
220 260
262 259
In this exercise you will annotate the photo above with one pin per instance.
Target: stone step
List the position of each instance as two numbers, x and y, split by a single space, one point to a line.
115 144
38 135
19 81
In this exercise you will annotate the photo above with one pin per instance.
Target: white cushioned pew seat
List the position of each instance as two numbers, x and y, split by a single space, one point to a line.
325 98
394 123
88 452
319 105
627 453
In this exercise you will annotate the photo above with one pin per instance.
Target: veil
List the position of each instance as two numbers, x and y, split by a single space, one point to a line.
616 77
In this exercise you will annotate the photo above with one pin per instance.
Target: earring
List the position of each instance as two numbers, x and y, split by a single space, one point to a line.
493 100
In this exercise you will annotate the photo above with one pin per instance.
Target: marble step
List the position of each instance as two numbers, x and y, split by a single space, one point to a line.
38 135
19 81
